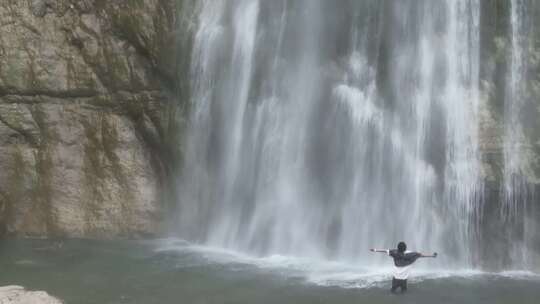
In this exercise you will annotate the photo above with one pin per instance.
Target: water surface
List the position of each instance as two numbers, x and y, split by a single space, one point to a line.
171 271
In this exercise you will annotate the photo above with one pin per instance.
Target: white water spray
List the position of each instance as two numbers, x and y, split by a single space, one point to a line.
320 130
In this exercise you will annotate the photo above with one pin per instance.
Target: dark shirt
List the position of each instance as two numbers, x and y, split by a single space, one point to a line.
403 259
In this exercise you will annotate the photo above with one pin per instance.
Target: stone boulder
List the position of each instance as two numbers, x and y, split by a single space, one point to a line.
18 295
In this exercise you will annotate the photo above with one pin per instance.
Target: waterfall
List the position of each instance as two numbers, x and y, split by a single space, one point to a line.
514 181
516 190
321 130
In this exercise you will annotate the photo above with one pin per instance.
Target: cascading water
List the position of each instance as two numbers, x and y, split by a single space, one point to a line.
320 130
517 192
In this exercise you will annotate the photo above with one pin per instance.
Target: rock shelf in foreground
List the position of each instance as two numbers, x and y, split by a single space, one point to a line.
19 295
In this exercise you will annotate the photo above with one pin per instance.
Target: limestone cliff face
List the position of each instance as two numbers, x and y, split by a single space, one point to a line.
85 113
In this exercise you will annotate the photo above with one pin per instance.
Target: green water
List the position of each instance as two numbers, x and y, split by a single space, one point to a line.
135 272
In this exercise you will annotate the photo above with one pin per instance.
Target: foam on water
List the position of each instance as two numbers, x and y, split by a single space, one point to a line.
324 272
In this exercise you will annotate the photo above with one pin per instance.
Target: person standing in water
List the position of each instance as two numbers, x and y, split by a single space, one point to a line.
403 261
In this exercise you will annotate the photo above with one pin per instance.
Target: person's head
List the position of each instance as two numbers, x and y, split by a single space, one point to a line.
401 247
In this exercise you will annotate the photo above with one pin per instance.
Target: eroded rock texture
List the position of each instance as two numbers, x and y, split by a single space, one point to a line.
85 114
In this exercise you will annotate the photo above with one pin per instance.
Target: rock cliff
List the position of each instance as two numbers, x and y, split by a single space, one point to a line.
85 114
91 106
498 232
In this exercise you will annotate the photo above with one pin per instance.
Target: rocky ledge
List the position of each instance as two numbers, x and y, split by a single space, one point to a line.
19 295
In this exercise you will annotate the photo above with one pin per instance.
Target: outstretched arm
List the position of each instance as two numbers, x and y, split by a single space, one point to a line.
434 255
378 250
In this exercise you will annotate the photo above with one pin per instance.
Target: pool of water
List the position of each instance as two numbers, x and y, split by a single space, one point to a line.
172 271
